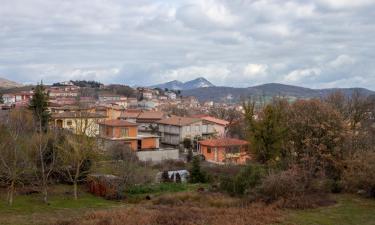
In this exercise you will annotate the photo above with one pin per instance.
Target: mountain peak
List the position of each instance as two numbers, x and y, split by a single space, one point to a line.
199 82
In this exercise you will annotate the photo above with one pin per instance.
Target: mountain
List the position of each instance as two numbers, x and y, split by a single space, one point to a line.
178 85
6 84
220 94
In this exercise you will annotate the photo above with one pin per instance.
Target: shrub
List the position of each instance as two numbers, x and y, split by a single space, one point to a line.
293 188
249 177
360 174
165 177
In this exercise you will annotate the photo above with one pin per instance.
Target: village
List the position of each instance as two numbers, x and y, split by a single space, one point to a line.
84 144
143 121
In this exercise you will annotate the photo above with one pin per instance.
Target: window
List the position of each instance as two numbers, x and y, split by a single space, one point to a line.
108 132
69 123
124 132
208 150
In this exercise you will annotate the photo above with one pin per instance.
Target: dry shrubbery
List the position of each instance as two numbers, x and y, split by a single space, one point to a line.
294 188
197 209
360 174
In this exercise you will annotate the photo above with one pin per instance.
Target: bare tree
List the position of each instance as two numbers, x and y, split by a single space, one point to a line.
78 148
44 154
14 160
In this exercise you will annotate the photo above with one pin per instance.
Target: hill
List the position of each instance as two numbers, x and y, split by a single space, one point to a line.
220 94
6 84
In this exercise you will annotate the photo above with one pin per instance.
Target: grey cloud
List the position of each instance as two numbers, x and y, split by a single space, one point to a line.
149 41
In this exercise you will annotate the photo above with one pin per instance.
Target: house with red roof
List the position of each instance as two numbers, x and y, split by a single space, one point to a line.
225 150
126 133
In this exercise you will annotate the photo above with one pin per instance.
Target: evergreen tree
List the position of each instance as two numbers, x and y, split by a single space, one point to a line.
196 175
1 99
39 104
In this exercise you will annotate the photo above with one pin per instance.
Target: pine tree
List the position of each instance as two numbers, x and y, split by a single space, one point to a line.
39 106
196 175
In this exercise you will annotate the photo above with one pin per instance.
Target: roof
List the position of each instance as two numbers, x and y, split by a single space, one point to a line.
151 115
223 142
130 114
118 123
215 120
77 115
179 121
211 119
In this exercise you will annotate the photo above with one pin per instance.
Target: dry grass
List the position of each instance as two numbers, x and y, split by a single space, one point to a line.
184 209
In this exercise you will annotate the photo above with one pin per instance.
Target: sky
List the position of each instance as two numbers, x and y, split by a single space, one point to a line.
239 43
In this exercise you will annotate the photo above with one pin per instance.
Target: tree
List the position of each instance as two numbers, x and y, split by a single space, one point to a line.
14 160
39 106
316 136
196 175
44 156
267 134
1 99
75 153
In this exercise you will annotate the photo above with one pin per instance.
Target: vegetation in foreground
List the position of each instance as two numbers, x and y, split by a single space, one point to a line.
349 210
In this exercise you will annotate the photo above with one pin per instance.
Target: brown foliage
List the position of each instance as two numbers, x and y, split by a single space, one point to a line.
360 173
295 188
181 215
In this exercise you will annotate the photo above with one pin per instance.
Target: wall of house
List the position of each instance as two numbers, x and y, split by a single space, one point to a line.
194 129
218 154
89 126
158 156
115 132
150 143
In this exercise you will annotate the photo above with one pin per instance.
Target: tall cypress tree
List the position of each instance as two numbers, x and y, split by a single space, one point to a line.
39 106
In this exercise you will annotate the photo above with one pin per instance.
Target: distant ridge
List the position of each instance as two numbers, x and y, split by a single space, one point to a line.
266 90
6 84
199 82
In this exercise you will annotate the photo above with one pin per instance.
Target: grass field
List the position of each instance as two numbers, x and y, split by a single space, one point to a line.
29 209
349 210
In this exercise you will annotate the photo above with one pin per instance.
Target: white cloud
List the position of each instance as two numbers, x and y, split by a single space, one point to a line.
342 60
302 74
255 71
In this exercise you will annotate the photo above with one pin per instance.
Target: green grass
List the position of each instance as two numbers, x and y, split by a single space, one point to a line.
349 210
29 209
157 188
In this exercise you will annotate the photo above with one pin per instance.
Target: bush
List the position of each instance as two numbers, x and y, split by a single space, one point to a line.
294 188
360 174
248 177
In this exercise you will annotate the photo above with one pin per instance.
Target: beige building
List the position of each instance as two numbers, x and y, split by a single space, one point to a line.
78 122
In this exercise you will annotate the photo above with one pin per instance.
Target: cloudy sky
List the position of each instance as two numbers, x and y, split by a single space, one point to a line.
312 43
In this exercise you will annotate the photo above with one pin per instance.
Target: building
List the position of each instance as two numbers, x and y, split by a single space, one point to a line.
126 133
147 120
225 150
175 129
12 98
218 126
171 95
79 122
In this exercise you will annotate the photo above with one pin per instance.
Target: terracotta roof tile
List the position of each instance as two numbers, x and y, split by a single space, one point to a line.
179 121
118 123
223 142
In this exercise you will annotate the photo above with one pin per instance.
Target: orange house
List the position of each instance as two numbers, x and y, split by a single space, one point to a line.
121 131
225 150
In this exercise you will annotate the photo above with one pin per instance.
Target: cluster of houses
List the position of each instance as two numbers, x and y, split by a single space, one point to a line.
140 124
